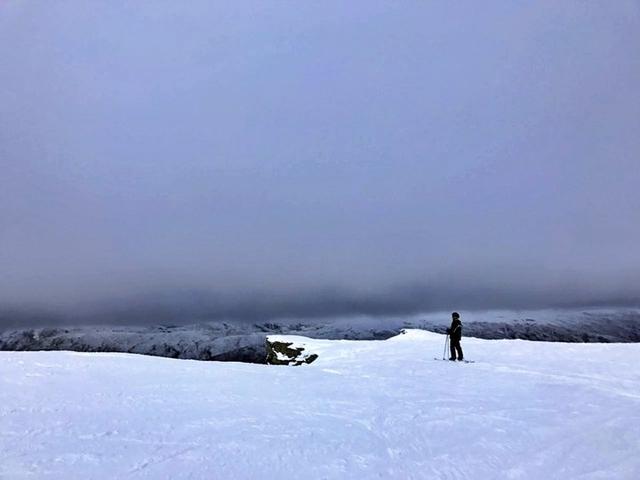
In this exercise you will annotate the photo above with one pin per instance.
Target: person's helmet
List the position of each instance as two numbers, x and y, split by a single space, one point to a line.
455 315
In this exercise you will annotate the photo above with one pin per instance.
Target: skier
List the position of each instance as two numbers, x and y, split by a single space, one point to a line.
455 334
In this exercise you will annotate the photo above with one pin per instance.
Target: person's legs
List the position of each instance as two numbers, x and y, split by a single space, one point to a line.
459 349
455 345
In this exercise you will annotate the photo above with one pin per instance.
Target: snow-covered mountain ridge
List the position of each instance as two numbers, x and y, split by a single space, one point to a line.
238 341
362 410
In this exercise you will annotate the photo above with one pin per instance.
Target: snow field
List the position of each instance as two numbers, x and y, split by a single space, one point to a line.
364 409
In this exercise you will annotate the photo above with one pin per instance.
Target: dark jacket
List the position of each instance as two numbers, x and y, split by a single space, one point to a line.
455 331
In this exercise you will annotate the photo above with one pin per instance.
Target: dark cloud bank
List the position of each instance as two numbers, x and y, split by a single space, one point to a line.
194 307
187 161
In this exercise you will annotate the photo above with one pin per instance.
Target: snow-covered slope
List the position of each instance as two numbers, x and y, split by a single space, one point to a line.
367 409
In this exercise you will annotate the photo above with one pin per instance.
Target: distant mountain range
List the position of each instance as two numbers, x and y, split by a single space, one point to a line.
245 342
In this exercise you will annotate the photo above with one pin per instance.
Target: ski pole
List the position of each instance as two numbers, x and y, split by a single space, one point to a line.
446 340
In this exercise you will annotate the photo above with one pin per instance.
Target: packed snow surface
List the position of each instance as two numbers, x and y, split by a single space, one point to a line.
364 409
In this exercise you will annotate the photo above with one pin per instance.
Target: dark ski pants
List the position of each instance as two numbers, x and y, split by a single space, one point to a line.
455 347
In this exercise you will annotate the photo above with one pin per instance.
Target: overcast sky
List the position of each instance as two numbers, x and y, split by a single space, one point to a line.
263 158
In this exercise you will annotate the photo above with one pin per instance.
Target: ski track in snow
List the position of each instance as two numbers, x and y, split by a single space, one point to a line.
364 409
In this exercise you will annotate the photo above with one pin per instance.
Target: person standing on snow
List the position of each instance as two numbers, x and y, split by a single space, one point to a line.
455 334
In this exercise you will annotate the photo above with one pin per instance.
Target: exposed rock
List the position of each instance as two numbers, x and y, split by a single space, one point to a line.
286 353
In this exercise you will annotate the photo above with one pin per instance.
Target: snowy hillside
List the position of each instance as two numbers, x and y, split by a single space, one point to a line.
367 409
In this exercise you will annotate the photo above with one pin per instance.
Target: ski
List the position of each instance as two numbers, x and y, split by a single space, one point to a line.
453 361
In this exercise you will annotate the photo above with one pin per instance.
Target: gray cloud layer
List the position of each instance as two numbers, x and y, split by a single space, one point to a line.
259 158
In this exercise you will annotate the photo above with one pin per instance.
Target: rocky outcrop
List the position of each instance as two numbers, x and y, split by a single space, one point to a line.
282 352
